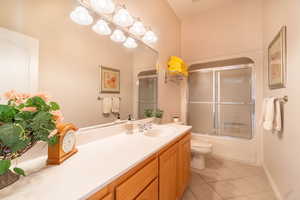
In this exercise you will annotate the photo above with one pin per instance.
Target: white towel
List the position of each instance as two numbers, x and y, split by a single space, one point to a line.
107 105
115 105
277 121
268 114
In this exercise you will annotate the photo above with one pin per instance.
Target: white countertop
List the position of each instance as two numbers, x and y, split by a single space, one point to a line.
94 166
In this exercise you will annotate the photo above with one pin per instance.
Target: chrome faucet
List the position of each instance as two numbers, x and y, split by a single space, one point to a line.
144 127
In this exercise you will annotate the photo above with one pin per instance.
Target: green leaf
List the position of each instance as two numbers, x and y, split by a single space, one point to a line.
19 171
10 136
37 102
53 140
4 166
54 106
21 144
7 113
43 120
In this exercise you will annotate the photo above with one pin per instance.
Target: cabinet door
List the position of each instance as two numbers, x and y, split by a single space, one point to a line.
168 174
184 160
108 197
150 193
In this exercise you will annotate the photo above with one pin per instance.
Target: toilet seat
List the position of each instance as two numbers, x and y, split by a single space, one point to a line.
201 147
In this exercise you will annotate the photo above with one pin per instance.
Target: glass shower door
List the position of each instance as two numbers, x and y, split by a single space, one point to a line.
220 101
201 106
235 105
147 95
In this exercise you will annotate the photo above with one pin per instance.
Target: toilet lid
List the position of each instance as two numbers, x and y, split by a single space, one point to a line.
201 144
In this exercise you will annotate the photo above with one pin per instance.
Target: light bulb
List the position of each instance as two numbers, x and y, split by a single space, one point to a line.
130 43
103 6
81 16
101 27
118 36
150 37
138 29
123 18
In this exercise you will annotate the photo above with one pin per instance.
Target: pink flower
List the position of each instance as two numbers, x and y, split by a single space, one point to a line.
44 96
53 133
57 116
29 109
10 95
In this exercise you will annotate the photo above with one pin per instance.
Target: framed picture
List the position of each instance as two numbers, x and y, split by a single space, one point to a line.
277 60
110 80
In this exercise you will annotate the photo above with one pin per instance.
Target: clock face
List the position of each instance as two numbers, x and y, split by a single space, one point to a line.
68 141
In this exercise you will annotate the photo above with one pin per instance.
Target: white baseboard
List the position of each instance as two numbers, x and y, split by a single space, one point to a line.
272 182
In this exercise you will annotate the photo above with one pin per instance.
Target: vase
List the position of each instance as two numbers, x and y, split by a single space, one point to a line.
8 178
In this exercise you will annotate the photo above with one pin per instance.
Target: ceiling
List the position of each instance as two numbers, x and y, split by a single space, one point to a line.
188 8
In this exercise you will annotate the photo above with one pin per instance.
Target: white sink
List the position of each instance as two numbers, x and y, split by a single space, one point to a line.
160 132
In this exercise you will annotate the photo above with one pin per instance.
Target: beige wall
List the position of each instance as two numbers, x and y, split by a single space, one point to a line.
70 54
281 151
228 31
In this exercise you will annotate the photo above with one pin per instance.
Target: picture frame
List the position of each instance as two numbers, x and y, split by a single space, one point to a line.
110 80
277 57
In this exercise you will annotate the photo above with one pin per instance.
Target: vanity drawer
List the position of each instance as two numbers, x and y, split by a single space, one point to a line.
150 193
129 189
108 197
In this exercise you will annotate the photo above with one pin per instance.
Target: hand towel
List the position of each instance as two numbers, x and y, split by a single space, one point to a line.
277 120
268 114
106 105
115 105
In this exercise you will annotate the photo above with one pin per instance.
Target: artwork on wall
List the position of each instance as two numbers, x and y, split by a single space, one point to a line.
110 80
277 60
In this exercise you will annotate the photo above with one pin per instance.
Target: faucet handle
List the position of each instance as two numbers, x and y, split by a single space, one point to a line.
141 127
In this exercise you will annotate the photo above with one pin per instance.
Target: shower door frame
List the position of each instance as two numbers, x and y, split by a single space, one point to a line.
138 93
216 101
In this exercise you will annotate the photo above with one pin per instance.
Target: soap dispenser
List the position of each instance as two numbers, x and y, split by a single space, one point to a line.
129 125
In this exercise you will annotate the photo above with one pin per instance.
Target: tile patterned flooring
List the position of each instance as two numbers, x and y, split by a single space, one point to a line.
228 180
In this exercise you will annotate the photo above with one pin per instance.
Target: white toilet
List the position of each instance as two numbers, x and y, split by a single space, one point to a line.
199 150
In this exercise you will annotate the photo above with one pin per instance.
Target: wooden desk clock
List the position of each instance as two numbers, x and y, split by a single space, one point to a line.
65 146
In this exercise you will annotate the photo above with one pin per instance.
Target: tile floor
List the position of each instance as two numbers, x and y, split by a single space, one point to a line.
228 180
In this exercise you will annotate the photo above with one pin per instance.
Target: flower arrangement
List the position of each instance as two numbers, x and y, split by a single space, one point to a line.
25 120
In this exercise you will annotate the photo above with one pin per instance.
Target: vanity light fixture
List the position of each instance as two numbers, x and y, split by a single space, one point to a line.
101 27
111 13
123 18
118 36
130 43
103 6
150 37
81 16
138 28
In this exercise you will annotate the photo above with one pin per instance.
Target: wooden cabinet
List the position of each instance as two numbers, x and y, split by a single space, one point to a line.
138 182
162 176
168 174
108 197
100 194
150 193
183 166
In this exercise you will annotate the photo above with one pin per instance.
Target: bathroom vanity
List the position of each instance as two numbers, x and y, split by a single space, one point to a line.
139 166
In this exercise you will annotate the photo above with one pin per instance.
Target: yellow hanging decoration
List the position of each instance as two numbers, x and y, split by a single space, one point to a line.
176 66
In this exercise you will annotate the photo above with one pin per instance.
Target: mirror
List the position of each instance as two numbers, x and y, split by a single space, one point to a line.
43 50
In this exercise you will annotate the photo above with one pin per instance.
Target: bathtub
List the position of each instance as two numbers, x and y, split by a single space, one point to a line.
229 148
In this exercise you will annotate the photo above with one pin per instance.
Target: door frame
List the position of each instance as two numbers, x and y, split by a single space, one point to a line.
32 47
216 119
